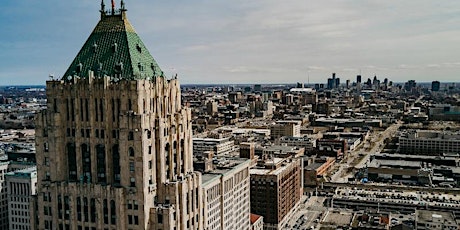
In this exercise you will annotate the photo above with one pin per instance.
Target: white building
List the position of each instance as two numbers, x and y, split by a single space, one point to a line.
3 196
429 142
257 222
285 128
6 167
220 146
226 196
301 142
22 186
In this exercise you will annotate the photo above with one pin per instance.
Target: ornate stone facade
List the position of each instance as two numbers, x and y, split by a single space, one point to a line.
115 152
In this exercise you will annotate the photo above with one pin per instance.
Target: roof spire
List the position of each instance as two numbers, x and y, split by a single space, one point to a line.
122 4
102 8
113 7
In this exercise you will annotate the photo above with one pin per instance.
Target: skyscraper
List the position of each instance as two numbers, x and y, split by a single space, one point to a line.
435 86
114 146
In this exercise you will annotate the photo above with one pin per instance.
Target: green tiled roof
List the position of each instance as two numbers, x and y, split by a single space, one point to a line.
114 49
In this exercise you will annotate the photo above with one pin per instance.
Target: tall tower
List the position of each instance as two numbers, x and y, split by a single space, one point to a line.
114 146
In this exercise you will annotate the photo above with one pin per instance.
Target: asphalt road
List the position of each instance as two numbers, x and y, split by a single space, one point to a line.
377 139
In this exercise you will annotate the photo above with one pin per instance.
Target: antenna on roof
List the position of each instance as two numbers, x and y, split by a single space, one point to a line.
113 7
102 8
122 4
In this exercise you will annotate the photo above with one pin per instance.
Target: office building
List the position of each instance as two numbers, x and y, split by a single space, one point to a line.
3 194
435 86
21 187
226 195
285 128
7 166
276 190
220 146
114 145
434 220
427 142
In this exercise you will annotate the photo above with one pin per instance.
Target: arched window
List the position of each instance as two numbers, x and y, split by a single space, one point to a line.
131 151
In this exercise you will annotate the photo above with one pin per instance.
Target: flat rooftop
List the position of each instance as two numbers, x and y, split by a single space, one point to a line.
313 166
229 165
381 163
435 216
338 218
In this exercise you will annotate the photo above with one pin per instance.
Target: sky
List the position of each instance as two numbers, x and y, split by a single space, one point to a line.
241 41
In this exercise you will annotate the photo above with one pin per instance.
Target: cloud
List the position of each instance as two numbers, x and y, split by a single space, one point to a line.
257 41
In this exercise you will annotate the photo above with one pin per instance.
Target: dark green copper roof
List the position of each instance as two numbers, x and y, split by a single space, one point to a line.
114 49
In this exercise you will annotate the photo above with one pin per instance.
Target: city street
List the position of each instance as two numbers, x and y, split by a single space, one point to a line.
376 141
308 214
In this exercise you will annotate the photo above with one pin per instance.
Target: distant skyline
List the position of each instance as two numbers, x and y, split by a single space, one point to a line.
237 42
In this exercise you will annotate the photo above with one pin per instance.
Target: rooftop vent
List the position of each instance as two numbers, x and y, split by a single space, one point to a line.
115 47
94 47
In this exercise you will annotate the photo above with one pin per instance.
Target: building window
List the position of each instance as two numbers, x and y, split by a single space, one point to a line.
131 166
86 162
100 152
78 208
132 182
93 210
66 207
113 212
149 134
160 218
72 162
131 151
101 109
130 136
106 211
116 165
67 109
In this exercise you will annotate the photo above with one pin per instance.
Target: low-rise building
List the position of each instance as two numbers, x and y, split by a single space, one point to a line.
276 190
220 146
257 222
303 142
316 170
429 142
434 220
285 128
371 220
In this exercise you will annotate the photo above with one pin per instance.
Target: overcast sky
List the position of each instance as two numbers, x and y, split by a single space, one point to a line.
241 41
